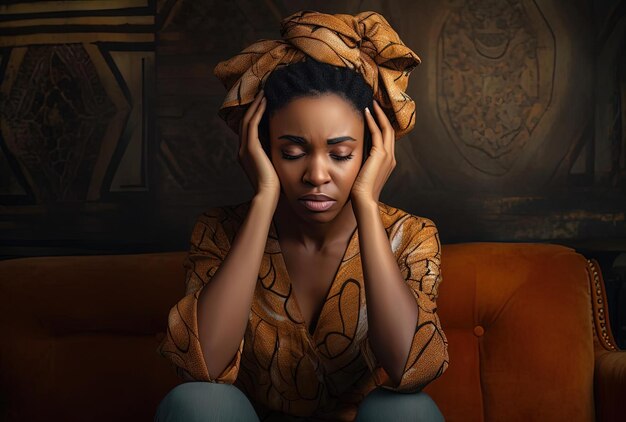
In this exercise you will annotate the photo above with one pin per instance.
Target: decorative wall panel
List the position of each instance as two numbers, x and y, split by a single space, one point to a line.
56 117
76 121
110 139
495 75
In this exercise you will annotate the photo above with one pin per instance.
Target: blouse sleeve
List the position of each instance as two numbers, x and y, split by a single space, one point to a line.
208 247
418 249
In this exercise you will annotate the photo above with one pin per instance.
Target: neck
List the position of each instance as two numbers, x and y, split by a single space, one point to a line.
314 236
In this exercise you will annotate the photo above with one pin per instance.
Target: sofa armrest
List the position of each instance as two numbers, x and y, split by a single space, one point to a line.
610 384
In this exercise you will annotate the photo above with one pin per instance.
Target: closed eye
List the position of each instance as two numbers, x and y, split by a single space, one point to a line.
292 157
336 157
343 157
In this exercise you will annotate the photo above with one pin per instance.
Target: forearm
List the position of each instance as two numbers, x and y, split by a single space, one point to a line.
391 309
224 303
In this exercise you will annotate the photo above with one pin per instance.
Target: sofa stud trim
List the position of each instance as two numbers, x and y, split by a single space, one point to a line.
599 311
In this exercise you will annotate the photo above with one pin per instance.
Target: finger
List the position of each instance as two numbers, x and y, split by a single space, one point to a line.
377 140
253 106
388 138
393 148
243 137
385 124
253 126
246 119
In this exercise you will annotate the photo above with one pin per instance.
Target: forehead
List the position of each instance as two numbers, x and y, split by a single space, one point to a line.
317 117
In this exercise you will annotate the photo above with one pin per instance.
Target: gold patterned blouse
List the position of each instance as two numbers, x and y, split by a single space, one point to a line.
280 366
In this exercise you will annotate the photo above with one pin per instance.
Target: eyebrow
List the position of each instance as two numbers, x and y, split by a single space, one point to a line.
300 140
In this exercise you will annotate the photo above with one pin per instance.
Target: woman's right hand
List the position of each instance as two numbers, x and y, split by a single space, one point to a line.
252 157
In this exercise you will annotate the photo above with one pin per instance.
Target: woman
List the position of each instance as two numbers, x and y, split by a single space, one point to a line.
314 300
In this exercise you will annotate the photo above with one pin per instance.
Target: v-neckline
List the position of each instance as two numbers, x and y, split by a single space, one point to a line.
292 294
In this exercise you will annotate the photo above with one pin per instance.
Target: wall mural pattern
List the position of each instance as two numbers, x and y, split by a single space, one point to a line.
110 139
54 119
74 125
496 71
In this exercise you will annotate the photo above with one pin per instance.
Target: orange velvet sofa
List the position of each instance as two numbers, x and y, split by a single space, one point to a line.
529 338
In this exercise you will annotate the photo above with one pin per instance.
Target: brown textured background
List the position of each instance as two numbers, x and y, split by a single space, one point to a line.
110 140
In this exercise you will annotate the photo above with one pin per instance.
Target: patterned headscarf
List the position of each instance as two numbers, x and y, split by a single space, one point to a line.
365 42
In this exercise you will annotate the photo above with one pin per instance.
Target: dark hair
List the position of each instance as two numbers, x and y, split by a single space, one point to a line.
312 78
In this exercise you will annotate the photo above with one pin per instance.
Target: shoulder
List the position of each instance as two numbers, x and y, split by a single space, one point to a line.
225 218
395 219
406 230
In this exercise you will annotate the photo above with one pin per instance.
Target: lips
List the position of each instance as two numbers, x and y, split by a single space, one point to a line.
317 202
316 197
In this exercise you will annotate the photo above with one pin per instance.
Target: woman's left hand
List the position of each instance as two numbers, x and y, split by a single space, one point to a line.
381 161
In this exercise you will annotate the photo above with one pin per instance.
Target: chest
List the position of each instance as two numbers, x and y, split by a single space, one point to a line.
311 277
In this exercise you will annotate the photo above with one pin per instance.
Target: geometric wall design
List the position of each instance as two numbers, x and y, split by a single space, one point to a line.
54 119
74 120
109 130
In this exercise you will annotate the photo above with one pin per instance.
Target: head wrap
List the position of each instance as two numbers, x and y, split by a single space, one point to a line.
364 42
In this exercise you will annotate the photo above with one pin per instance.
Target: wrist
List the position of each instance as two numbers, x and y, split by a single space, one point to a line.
266 198
364 201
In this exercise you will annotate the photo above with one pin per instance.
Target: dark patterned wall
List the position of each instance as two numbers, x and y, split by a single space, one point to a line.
77 126
110 139
509 98
495 71
55 117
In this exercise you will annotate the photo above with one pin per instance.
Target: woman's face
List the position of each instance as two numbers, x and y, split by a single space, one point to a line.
317 147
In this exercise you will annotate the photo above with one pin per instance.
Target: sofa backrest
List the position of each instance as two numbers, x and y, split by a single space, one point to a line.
519 327
80 334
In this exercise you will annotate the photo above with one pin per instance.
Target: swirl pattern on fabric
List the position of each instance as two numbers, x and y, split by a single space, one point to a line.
364 42
283 368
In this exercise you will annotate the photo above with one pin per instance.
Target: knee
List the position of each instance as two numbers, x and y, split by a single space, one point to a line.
195 401
382 404
193 391
427 409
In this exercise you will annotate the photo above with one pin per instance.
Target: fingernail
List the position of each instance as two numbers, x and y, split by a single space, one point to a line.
368 110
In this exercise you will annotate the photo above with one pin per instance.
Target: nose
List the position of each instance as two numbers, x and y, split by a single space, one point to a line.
316 172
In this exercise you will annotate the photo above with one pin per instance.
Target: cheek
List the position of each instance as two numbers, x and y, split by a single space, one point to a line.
351 172
281 171
288 174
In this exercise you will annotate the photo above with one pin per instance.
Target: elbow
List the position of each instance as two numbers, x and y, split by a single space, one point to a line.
226 366
409 384
422 372
439 364
437 368
220 367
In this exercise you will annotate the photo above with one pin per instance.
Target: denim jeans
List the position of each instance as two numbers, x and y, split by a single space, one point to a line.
210 402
